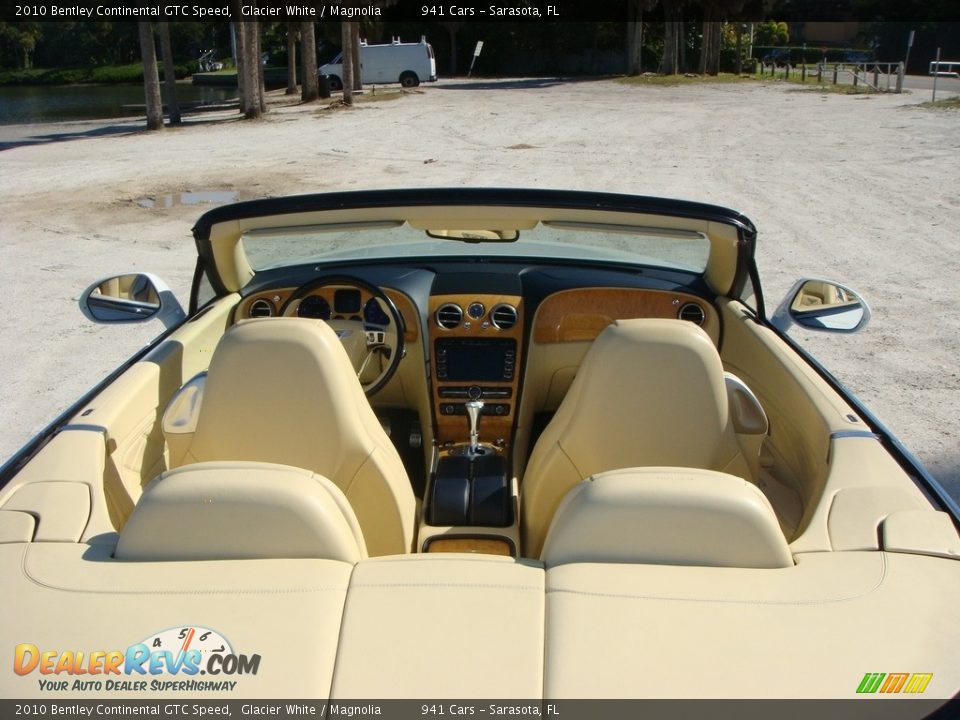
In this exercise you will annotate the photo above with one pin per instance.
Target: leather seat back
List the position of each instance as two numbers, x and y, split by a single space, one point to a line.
648 393
282 390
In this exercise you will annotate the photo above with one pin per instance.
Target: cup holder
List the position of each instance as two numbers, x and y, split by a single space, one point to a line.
471 491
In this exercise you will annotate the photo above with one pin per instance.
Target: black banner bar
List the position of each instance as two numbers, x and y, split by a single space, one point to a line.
429 11
875 708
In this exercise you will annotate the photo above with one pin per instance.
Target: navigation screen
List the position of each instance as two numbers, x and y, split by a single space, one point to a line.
476 360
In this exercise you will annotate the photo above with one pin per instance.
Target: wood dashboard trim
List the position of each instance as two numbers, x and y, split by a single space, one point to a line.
492 427
561 317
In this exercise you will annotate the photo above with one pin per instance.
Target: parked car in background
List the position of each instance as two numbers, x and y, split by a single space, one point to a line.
406 63
778 57
945 68
856 57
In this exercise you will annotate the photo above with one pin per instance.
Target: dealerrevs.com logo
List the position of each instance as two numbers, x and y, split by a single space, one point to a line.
184 653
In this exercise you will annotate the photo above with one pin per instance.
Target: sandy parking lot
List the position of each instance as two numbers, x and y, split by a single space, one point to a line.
861 189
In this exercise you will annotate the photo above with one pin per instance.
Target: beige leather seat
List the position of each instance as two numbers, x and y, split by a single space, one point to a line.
648 393
282 390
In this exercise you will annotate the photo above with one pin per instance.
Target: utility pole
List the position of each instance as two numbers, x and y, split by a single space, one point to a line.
936 73
906 61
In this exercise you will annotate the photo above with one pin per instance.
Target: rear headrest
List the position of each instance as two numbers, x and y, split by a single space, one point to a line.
241 510
666 516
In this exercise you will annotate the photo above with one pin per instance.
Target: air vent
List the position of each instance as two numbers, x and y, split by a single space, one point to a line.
449 316
504 316
693 313
261 308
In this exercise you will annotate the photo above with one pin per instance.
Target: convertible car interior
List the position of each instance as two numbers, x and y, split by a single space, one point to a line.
477 443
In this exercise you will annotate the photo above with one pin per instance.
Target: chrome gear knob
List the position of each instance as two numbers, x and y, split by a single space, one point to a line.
474 409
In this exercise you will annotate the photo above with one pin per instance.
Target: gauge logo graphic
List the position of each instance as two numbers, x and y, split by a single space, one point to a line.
186 650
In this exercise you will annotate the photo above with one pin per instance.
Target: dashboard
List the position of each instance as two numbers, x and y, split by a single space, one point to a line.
332 303
512 336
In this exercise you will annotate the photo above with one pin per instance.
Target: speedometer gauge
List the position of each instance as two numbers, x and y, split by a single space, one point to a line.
373 314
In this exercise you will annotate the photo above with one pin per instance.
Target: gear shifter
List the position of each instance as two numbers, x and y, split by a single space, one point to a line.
474 408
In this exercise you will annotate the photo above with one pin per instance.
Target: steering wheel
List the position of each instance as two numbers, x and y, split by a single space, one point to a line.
371 335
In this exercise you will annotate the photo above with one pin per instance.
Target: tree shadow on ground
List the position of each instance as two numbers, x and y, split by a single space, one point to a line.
93 129
512 83
69 134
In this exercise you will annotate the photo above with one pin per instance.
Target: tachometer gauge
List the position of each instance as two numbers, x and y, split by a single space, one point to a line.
315 307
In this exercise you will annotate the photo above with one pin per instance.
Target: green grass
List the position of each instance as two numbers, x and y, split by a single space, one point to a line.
829 89
687 79
106 74
812 83
366 98
951 103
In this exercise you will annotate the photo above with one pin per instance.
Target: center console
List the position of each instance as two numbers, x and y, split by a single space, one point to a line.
471 499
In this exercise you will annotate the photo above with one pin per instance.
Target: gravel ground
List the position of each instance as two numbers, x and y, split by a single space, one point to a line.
862 189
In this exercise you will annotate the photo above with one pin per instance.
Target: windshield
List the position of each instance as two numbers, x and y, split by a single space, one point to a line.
677 249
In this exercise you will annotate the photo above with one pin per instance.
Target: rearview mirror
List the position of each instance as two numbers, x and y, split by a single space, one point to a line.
129 298
824 306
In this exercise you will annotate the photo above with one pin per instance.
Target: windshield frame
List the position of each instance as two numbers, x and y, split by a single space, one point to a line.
217 232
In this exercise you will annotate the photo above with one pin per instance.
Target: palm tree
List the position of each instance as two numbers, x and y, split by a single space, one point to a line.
452 29
714 12
252 71
239 56
262 83
355 56
346 41
169 73
635 10
308 58
291 58
151 78
672 28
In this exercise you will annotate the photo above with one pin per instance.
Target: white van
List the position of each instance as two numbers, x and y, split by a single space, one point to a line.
406 63
945 68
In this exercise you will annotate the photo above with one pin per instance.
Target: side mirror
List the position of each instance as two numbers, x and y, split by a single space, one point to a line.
131 298
822 305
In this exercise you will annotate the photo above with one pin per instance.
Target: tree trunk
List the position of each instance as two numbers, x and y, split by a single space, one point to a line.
169 74
452 28
357 63
634 36
240 60
151 78
671 37
291 58
705 42
739 30
251 70
681 43
716 39
260 78
346 43
309 90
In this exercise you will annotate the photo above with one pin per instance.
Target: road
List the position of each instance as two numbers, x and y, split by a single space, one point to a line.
925 82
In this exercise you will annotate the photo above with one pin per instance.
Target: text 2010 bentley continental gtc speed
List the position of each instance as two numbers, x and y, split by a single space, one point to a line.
476 443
